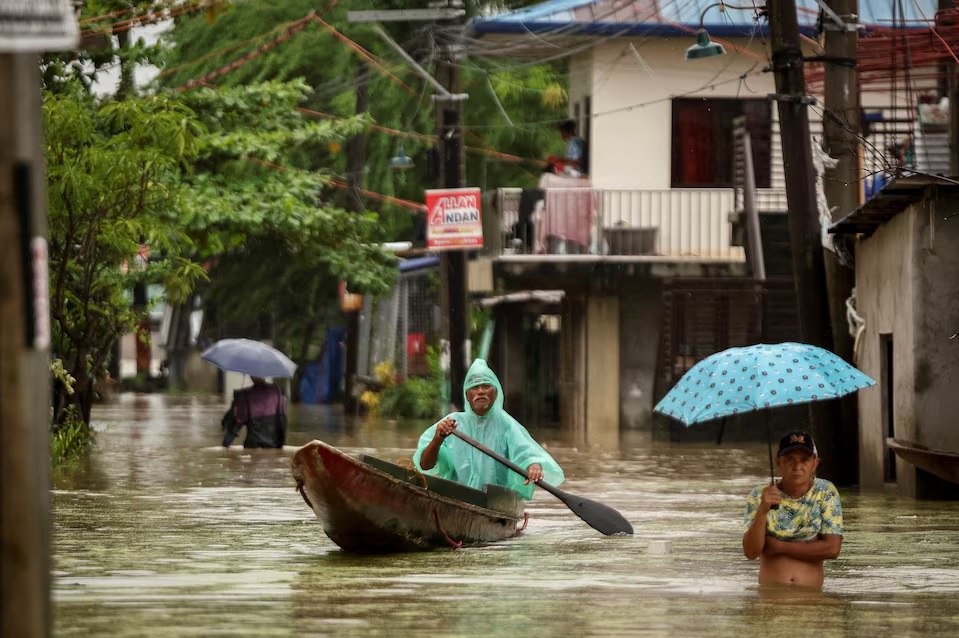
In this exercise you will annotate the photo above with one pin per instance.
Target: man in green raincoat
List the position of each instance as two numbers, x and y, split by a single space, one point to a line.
486 421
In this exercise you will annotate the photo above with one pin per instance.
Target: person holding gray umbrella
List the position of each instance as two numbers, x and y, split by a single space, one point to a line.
260 408
793 526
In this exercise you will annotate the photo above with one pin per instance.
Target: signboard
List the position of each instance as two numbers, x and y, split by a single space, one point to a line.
453 218
349 302
33 26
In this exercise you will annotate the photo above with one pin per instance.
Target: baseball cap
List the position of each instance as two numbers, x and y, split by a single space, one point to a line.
797 440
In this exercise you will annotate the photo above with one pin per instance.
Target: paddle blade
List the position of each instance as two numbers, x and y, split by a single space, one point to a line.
602 518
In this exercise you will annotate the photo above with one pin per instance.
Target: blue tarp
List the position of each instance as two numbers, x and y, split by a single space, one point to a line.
418 263
321 379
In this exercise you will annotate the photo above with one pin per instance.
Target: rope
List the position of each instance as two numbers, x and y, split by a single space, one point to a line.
407 464
439 526
299 488
525 522
821 161
856 324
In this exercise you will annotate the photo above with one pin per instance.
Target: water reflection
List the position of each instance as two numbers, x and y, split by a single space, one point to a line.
159 531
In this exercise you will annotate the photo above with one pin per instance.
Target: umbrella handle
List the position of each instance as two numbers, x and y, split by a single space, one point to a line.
769 440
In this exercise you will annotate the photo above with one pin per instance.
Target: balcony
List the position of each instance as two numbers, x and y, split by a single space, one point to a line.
619 224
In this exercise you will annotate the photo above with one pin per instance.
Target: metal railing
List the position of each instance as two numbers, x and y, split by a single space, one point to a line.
674 223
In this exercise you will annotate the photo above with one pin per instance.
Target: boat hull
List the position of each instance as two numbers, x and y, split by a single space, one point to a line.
941 463
368 505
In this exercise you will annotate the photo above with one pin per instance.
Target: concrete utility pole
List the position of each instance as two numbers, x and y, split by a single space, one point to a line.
356 167
842 142
26 29
24 355
453 262
952 90
804 225
455 312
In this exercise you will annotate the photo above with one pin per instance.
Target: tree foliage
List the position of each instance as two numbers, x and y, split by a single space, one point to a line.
532 93
113 188
261 214
219 178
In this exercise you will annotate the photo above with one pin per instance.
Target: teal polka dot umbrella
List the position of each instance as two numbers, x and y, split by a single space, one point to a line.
740 380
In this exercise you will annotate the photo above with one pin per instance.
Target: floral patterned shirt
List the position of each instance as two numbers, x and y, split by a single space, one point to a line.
818 511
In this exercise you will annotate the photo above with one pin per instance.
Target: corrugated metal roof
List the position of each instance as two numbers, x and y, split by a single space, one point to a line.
677 17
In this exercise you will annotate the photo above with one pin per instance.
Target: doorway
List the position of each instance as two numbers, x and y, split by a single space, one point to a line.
887 387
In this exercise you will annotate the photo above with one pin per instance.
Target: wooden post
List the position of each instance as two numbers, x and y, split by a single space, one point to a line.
804 225
356 167
453 262
952 88
841 140
24 355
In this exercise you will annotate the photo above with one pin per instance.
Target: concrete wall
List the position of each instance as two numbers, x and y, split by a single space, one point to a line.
936 300
602 369
884 291
572 365
641 312
631 132
907 282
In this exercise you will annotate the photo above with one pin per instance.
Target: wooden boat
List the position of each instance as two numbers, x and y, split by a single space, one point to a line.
369 505
941 463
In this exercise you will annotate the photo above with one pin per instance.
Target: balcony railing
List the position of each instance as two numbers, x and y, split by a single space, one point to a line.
672 223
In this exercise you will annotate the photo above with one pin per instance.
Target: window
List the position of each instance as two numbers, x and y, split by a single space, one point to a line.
702 149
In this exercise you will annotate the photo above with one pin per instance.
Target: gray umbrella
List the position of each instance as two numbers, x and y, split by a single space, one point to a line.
249 357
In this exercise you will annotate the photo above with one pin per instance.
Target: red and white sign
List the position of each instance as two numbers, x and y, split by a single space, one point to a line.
453 218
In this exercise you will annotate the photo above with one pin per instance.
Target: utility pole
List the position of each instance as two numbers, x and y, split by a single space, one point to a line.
841 140
355 169
455 312
948 18
26 29
452 262
24 355
804 225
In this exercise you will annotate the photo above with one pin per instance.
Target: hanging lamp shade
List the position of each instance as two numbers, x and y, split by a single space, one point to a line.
401 161
704 47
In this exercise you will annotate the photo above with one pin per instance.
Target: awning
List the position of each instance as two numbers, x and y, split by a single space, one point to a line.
894 198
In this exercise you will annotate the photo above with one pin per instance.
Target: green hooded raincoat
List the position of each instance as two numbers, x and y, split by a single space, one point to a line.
460 461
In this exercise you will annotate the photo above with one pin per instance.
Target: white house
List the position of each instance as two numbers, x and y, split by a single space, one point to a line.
660 135
659 123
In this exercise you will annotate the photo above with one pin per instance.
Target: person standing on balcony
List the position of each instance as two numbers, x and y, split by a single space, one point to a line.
574 163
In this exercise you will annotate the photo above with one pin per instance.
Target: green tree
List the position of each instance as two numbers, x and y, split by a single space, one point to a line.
532 93
258 211
113 188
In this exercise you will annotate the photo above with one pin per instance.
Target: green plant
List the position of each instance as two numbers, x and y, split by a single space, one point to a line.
70 438
415 397
69 433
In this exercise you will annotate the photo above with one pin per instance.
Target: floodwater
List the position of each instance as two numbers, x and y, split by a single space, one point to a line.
159 532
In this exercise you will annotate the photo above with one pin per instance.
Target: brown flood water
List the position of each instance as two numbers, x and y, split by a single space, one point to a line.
160 532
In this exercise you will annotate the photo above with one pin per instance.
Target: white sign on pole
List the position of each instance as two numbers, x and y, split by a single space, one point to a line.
33 26
41 293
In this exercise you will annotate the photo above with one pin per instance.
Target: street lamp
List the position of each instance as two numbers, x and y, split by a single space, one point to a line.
704 47
401 161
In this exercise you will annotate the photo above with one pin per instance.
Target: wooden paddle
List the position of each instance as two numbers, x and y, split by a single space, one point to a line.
600 517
